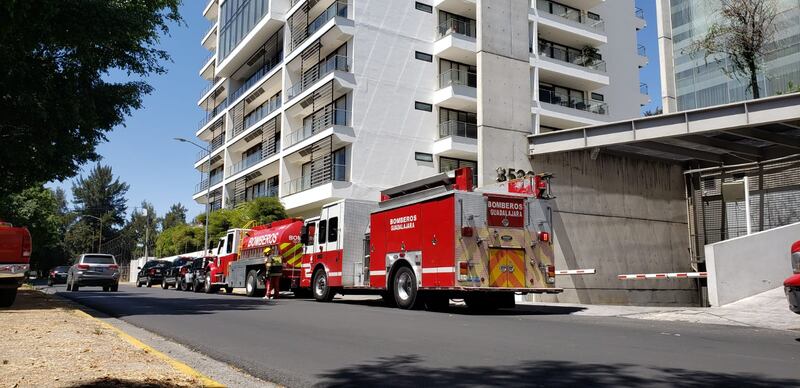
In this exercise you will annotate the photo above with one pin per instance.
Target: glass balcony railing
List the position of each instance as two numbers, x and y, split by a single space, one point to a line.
262 111
318 123
574 57
560 99
458 128
213 113
336 173
458 77
458 27
213 145
246 163
203 185
641 50
309 78
338 8
643 88
572 14
639 13
256 77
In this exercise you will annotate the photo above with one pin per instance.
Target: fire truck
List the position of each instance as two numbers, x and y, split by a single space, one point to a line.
424 243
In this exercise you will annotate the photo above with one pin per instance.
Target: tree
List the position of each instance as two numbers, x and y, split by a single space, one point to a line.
99 195
741 36
179 239
174 217
42 212
56 103
143 225
264 210
655 112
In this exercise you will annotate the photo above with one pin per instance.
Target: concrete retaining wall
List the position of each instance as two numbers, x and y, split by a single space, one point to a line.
619 215
749 265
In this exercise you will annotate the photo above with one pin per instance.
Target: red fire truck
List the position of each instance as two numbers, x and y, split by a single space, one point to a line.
423 244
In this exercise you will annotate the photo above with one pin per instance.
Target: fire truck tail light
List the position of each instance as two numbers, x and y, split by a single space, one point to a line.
463 268
467 231
551 274
544 236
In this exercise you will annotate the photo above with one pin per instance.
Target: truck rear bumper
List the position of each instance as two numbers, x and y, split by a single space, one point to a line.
12 275
497 289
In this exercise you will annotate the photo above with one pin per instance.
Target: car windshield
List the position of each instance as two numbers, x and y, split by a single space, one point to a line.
61 269
98 259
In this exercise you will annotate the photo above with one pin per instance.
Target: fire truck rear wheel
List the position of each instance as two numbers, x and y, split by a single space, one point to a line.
208 288
405 289
322 291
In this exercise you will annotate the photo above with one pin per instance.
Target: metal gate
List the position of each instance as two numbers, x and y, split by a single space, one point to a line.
715 215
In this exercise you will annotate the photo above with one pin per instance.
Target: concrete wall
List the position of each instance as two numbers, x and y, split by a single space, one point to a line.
749 265
618 215
504 92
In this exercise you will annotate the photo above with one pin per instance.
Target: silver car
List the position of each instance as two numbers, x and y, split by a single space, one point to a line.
94 269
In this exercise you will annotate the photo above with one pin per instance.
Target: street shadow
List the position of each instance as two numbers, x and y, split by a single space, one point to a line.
409 370
464 310
124 304
28 299
105 382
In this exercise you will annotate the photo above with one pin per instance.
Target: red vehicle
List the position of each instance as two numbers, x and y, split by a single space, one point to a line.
239 261
424 243
792 284
15 254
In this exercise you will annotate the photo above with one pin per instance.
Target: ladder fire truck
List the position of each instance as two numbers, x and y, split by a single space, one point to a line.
424 243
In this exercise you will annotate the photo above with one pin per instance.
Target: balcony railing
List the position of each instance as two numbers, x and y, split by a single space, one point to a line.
639 13
213 113
458 128
643 88
317 124
262 111
458 27
574 57
336 173
338 8
641 50
337 62
247 162
571 14
210 85
213 145
458 77
203 185
554 98
257 76
269 191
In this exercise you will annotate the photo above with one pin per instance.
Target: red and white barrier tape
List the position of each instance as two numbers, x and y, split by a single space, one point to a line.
671 275
576 272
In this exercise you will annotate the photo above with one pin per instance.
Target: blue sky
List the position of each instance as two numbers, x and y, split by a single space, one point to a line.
159 169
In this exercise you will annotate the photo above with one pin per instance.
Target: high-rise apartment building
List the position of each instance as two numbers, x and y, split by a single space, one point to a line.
315 100
688 81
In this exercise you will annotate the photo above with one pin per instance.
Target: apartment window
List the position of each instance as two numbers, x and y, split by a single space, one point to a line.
457 123
252 152
456 73
598 97
560 95
423 157
559 9
450 23
423 7
423 106
423 56
450 164
339 159
255 191
236 19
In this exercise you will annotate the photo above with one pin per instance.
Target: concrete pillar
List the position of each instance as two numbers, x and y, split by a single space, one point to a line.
669 100
504 90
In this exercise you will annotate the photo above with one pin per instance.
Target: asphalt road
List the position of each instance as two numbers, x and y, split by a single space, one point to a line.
299 342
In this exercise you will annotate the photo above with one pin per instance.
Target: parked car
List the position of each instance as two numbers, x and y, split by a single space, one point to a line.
15 254
94 270
792 284
174 274
57 275
196 277
152 273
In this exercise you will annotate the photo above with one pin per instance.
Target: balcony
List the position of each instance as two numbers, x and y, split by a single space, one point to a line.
256 78
300 35
457 139
261 112
337 173
204 184
644 95
640 22
458 7
554 98
569 26
215 143
212 114
209 40
458 129
209 64
642 56
312 76
318 124
571 68
252 160
211 10
457 90
456 41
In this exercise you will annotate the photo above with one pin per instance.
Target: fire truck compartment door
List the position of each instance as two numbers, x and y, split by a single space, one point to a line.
506 267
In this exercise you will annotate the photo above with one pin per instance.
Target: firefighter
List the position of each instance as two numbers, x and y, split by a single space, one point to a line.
274 266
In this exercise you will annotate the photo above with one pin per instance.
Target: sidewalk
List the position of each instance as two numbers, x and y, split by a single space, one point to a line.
767 310
48 342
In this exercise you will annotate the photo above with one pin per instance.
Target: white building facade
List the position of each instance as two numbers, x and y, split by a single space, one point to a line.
312 101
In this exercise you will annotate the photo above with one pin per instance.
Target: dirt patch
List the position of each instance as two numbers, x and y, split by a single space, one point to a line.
46 343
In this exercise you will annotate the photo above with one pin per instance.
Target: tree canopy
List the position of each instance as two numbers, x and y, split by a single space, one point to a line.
56 104
174 217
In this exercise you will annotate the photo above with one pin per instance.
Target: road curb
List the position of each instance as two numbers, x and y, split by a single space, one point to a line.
178 365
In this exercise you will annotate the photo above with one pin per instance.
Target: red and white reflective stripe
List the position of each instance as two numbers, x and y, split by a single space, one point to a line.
670 275
576 271
439 270
334 274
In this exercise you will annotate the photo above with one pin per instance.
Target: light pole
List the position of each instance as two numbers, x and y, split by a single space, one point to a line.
208 188
100 244
146 232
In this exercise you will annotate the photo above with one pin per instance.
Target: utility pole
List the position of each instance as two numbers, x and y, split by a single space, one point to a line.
208 188
146 232
100 237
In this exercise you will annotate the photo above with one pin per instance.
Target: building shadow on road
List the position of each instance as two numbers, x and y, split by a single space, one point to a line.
409 370
108 382
461 309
